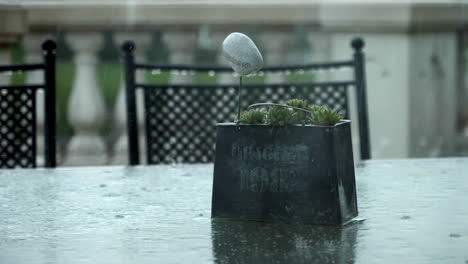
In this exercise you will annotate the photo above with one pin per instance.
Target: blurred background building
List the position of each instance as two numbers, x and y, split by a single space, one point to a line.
416 54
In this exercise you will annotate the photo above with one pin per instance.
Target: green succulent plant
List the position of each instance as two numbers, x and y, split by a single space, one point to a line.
253 116
283 116
321 115
280 116
300 117
299 103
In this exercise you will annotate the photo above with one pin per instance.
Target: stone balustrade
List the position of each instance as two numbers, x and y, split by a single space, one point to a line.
411 49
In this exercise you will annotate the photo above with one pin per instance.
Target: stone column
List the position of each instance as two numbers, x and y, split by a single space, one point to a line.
32 45
181 44
410 69
142 42
86 106
275 43
463 82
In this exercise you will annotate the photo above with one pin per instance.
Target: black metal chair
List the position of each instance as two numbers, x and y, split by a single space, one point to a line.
18 115
180 119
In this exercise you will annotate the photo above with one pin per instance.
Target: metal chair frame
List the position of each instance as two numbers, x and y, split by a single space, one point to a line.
10 144
130 68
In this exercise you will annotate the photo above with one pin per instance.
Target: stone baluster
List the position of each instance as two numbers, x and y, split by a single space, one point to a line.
5 58
181 44
275 44
320 47
32 45
142 42
86 106
223 78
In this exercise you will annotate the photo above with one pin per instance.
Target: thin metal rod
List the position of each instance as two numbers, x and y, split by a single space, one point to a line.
285 106
239 99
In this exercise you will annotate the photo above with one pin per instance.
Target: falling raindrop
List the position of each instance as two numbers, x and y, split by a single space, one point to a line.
211 73
156 72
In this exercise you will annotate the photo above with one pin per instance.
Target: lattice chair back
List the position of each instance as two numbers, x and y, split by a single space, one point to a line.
18 115
180 118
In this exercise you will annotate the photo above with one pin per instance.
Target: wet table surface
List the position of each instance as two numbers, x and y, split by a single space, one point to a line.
415 211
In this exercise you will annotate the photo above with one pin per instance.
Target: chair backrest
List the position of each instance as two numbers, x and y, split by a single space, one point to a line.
18 115
180 118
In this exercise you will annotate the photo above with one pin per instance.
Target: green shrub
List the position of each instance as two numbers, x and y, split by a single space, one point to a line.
253 116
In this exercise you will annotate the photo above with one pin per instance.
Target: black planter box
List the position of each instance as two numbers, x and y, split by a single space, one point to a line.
300 173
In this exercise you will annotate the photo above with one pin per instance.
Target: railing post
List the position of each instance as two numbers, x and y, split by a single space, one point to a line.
49 47
132 130
360 78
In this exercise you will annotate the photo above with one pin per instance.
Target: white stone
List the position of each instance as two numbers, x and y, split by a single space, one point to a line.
242 54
